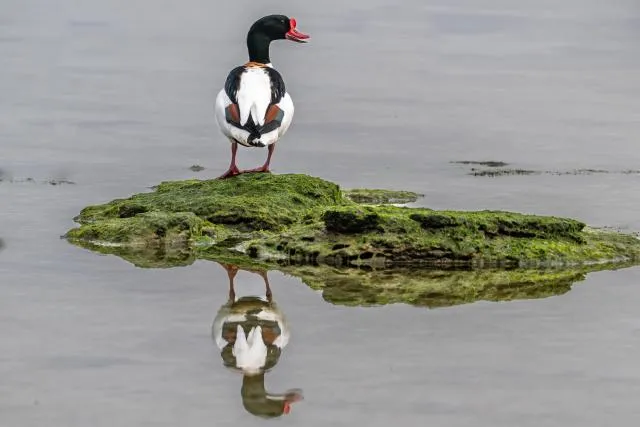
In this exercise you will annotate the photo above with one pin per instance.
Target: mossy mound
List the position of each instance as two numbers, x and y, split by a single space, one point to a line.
304 220
245 203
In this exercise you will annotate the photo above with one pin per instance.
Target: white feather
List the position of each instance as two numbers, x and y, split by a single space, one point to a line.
254 95
250 351
231 132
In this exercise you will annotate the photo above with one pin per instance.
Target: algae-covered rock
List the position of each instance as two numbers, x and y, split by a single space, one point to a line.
145 229
246 203
299 219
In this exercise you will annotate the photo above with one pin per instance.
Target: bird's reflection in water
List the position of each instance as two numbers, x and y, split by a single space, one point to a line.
251 333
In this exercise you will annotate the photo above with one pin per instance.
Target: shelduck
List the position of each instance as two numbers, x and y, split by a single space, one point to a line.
254 108
251 333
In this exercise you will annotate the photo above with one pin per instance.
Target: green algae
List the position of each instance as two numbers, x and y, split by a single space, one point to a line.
147 229
439 288
367 253
245 203
302 219
420 287
394 236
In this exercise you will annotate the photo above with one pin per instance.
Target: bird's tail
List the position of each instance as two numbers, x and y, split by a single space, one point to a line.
254 133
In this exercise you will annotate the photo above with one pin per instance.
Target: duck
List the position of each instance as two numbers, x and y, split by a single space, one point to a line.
251 332
254 108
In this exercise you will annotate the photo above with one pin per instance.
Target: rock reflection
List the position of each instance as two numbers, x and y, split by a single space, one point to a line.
251 333
422 287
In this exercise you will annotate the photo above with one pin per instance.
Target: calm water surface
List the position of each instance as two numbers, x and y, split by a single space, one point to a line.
117 95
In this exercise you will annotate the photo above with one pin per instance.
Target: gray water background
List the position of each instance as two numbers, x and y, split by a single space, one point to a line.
117 96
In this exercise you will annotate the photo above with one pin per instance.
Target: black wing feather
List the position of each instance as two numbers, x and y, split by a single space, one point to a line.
277 85
232 84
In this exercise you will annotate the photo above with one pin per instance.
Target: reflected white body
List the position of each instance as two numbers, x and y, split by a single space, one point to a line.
249 349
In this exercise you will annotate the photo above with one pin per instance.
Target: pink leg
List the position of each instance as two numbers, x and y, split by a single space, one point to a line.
232 270
266 285
233 168
265 167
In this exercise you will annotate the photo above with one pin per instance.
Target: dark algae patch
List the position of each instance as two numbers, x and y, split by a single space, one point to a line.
377 197
498 169
488 163
502 172
310 228
30 180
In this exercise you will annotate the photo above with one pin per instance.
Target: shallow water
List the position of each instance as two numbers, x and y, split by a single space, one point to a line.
116 96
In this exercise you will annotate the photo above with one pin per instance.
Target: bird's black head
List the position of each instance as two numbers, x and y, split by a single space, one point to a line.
267 29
